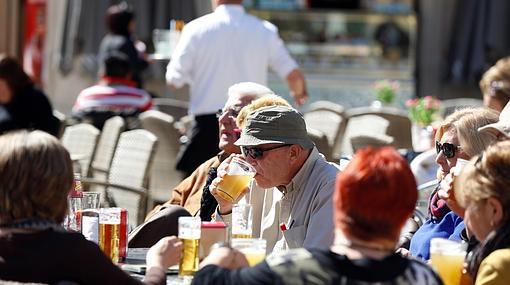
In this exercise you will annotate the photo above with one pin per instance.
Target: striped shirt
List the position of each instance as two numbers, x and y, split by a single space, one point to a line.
119 99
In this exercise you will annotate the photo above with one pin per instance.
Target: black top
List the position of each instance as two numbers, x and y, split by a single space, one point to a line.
117 43
50 256
315 266
29 109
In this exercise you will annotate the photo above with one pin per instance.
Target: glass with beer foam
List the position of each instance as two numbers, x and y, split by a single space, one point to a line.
254 249
242 218
189 234
447 258
238 177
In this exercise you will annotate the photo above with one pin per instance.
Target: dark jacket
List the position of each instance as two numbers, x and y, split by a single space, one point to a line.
29 109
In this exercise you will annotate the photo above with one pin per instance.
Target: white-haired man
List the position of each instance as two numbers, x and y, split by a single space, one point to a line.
189 193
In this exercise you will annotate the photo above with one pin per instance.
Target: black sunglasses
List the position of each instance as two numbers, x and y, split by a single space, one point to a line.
232 112
256 153
447 148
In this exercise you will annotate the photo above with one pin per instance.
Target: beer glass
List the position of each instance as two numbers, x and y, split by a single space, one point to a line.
447 258
189 234
254 249
238 177
242 218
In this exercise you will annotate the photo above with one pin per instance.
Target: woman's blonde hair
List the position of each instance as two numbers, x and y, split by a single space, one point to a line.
268 100
36 176
487 175
465 123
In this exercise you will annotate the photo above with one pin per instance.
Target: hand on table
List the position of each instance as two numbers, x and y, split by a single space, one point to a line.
225 257
165 253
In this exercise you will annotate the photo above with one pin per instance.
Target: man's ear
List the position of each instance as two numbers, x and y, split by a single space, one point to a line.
294 152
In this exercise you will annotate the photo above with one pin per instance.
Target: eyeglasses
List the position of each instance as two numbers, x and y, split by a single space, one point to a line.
232 112
447 148
257 153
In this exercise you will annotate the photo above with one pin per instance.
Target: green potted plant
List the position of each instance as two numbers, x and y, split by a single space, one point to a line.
386 91
422 112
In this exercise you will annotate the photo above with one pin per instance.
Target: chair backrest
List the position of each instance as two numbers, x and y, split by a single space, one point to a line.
81 140
62 122
399 126
106 145
330 122
449 106
164 176
361 141
130 167
175 108
362 125
321 142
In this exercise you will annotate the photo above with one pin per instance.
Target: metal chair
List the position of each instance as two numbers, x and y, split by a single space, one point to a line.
81 140
163 176
128 178
105 149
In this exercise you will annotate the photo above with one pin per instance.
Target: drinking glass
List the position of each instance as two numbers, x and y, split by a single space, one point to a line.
238 177
90 216
242 218
447 258
189 234
254 249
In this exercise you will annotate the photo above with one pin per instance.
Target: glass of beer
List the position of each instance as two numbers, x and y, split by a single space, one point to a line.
242 218
447 258
238 177
254 249
189 234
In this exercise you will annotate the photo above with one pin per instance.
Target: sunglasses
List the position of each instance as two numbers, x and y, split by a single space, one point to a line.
257 153
232 112
447 148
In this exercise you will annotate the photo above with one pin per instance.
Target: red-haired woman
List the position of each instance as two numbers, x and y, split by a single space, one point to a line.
374 197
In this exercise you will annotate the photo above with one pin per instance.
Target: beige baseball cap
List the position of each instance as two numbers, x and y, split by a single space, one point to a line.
502 126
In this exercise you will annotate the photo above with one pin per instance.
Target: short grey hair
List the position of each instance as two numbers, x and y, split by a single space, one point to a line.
248 89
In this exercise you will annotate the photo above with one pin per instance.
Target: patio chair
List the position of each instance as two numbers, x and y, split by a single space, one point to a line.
163 175
62 122
399 126
321 142
106 145
175 108
331 122
128 178
81 140
449 106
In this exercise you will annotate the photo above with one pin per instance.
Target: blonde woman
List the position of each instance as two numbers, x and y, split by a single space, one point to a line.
457 137
483 191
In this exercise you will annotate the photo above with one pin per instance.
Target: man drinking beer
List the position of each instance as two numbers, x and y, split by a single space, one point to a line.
298 211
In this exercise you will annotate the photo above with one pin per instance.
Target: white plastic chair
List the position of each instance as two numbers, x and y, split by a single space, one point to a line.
81 140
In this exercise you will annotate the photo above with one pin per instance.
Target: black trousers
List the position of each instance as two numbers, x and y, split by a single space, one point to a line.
202 144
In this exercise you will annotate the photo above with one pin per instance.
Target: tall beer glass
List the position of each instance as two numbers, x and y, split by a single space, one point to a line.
189 234
447 257
253 249
238 177
242 218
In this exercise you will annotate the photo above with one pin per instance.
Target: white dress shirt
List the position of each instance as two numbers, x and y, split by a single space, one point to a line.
222 48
